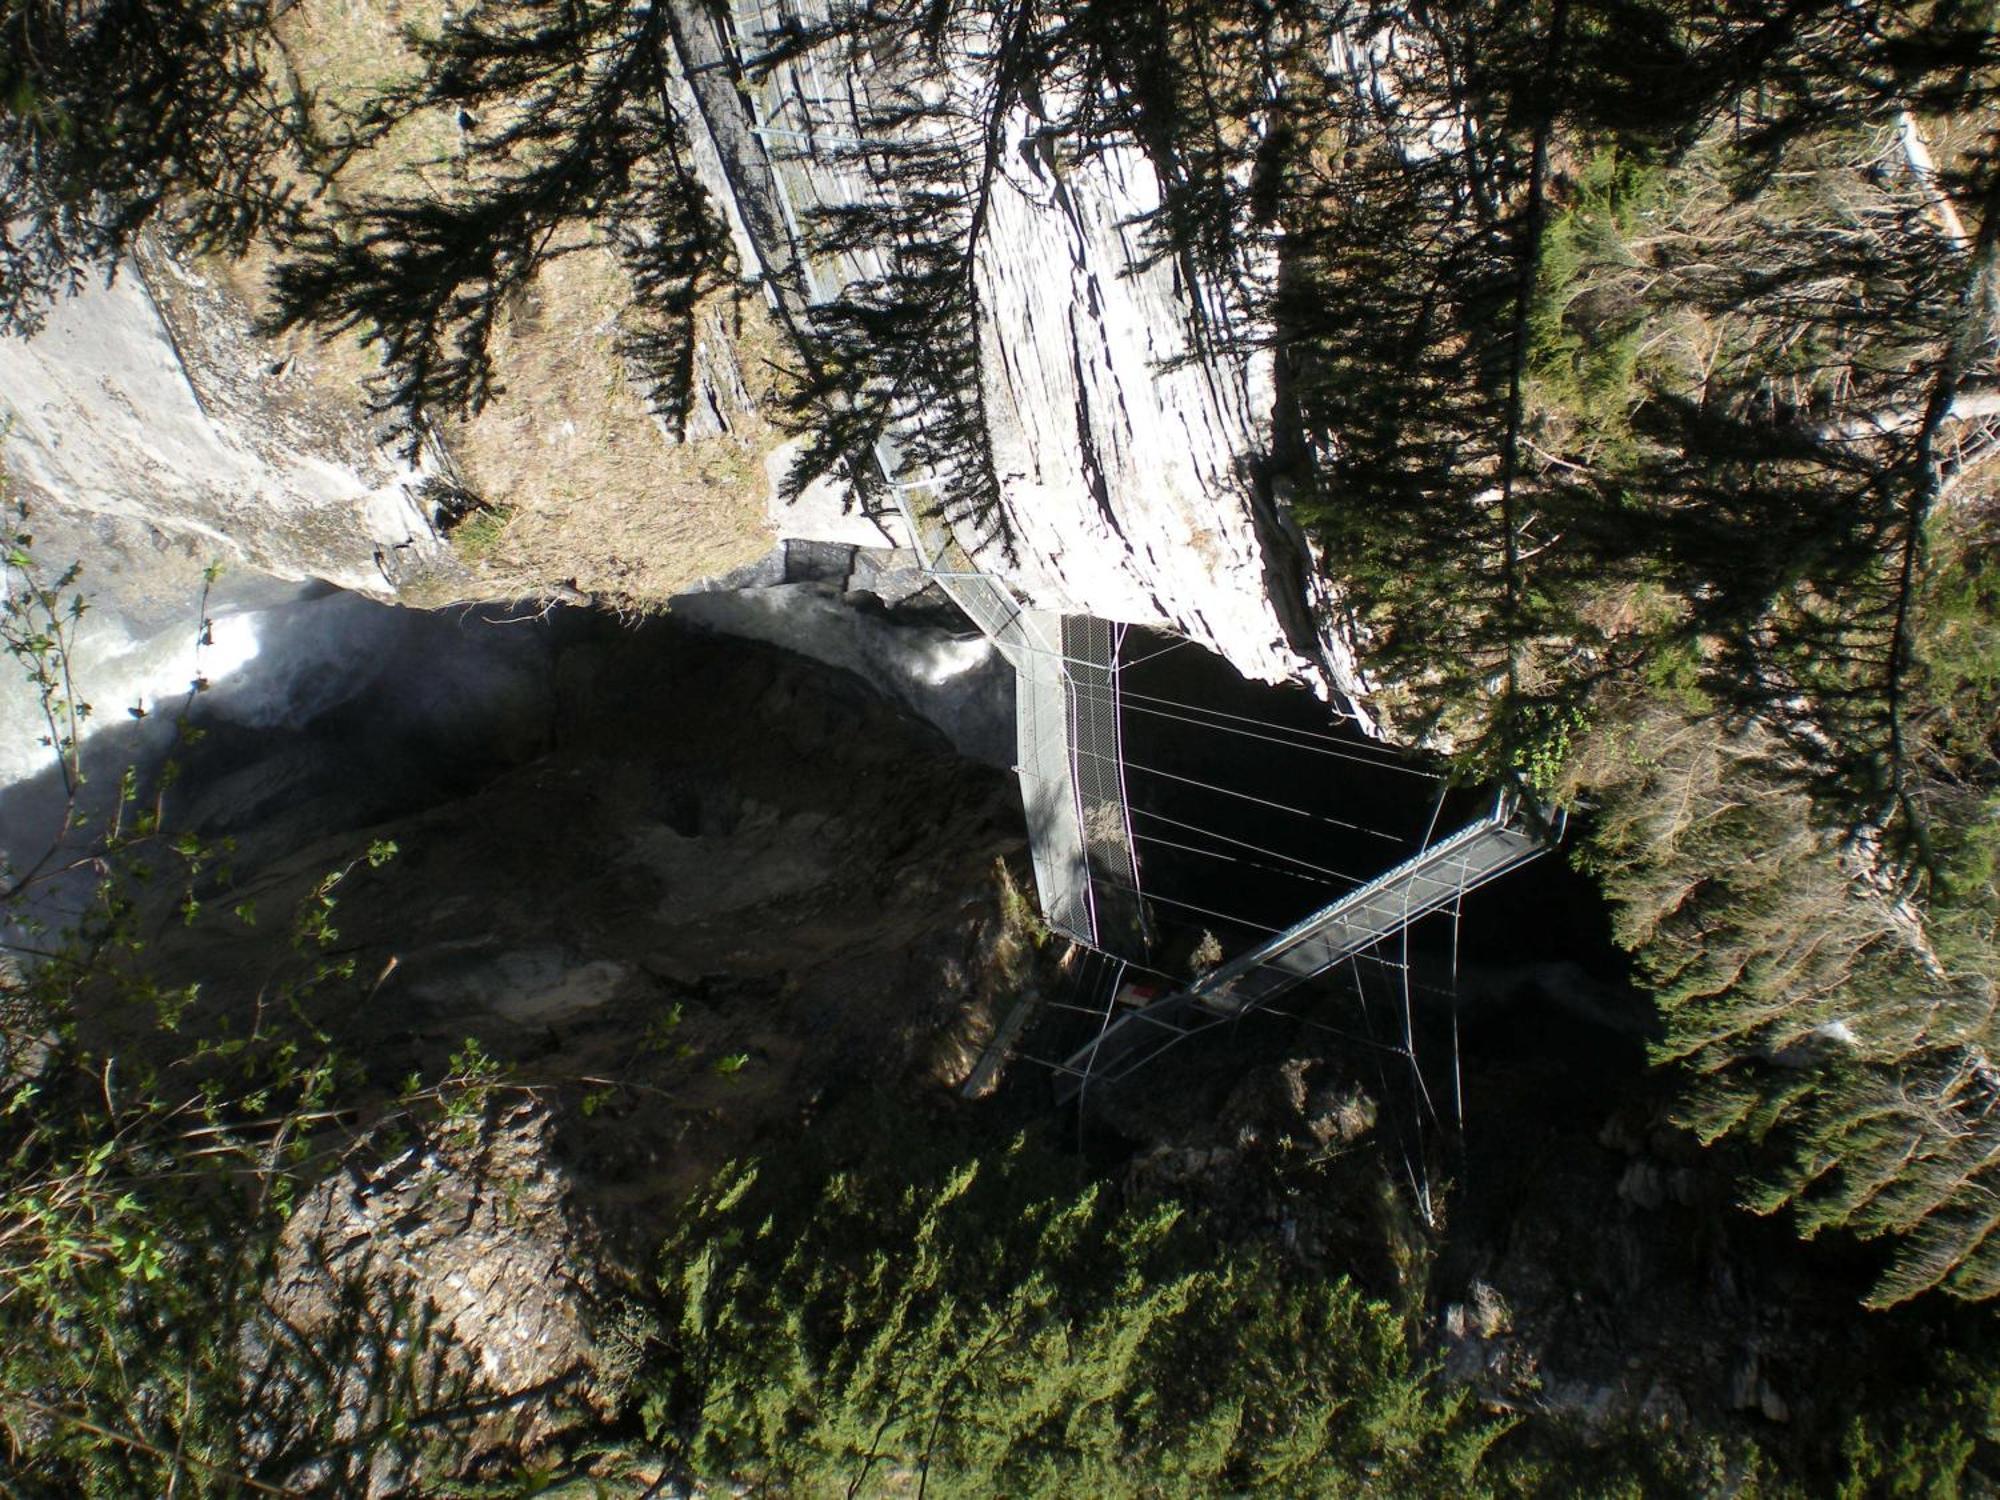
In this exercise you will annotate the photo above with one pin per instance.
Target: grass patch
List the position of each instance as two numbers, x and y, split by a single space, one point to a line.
477 537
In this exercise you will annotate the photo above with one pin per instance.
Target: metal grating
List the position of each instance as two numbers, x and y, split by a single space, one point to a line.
986 601
1090 660
1428 882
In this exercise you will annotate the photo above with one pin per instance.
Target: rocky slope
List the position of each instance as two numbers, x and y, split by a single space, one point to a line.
722 879
148 420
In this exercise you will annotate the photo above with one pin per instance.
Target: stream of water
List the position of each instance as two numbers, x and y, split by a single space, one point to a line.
312 694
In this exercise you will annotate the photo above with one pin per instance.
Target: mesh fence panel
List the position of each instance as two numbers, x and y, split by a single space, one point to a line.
1090 655
1429 882
1048 788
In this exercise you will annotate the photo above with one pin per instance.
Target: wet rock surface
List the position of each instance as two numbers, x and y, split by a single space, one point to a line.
732 881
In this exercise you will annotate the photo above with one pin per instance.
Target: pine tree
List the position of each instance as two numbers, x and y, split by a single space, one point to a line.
980 1328
577 143
117 117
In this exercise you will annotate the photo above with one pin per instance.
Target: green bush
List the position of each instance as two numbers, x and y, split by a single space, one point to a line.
985 1328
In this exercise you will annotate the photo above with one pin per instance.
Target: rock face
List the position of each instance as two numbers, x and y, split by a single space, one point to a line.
451 1283
716 885
1129 464
1130 472
146 413
737 879
163 434
1240 1139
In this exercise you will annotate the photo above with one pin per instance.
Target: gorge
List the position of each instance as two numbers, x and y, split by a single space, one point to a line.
682 603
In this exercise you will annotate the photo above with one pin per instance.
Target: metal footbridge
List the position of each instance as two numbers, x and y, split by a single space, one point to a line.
1434 879
810 155
805 150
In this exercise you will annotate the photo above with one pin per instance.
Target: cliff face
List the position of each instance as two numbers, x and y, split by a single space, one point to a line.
1129 461
155 432
1130 458
147 417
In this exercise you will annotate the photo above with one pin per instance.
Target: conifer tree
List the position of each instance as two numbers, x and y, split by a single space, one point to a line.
572 140
114 117
985 1327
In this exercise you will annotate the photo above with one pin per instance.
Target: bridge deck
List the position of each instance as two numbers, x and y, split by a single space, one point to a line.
1427 882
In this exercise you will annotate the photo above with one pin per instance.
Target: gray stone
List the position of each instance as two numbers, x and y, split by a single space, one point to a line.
1643 1185
1490 1310
451 1283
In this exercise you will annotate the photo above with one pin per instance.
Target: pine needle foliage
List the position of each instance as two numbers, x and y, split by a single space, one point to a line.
117 116
984 1329
1814 1016
570 139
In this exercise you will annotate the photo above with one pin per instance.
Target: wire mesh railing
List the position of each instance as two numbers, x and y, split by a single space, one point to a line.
816 147
1104 817
816 150
1433 880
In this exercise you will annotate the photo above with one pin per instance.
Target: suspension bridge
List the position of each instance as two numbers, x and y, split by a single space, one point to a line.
805 152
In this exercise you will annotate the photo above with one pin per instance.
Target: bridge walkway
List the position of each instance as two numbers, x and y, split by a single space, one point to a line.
1432 880
815 156
1066 666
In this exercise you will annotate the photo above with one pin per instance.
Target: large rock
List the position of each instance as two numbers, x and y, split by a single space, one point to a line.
146 413
447 1290
1131 474
1129 460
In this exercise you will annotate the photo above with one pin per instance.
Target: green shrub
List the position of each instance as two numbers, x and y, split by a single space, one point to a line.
983 1327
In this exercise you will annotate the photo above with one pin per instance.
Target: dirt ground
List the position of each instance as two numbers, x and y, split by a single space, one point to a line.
588 493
